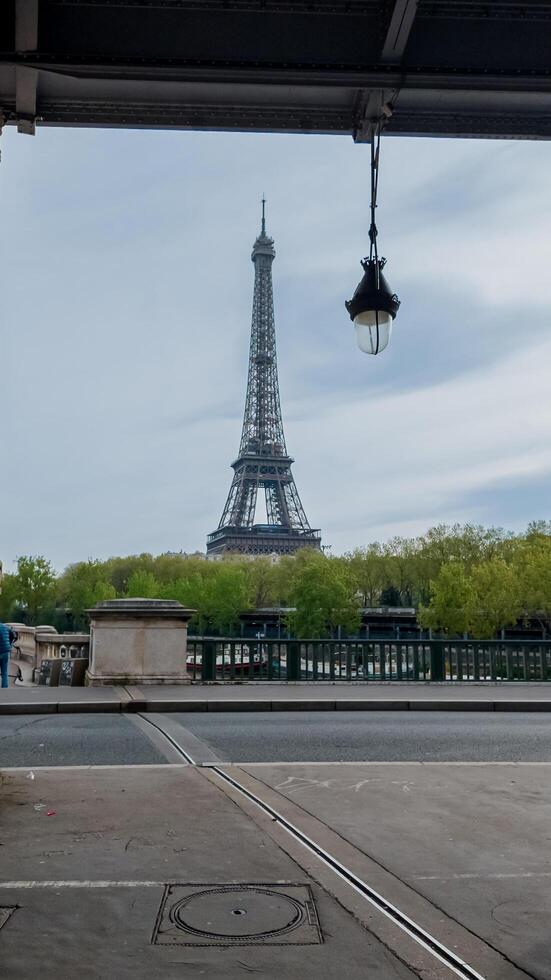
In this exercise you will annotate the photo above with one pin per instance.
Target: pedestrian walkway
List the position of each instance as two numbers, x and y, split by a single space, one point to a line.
305 696
152 873
158 872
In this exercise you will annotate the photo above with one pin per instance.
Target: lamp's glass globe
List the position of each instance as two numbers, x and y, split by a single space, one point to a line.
373 330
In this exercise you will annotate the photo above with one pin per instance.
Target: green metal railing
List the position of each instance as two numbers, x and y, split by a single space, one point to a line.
230 659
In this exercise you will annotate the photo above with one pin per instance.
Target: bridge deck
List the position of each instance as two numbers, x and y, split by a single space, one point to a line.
450 68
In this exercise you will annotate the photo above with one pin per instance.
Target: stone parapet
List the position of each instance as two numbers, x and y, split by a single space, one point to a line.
60 646
138 641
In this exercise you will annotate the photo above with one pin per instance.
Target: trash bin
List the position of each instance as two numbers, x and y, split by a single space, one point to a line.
72 672
49 672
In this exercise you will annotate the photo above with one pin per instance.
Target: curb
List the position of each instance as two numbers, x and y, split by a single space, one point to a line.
341 704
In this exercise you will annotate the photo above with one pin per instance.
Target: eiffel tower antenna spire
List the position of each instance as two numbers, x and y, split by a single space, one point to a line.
263 461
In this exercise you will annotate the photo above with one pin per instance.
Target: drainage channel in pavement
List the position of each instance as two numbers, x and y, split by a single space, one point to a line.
211 764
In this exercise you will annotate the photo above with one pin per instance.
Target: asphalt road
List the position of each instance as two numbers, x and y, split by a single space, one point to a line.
73 740
388 736
104 739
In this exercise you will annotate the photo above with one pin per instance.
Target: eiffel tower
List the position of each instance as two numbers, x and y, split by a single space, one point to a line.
263 460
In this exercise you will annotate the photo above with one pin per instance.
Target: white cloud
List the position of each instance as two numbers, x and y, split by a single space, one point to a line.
384 460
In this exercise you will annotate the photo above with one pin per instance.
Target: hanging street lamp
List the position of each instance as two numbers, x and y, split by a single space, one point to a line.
373 306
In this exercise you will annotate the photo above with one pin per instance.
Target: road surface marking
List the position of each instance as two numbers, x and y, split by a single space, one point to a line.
494 875
15 885
144 765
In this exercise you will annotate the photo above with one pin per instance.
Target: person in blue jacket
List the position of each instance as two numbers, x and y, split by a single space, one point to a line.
5 650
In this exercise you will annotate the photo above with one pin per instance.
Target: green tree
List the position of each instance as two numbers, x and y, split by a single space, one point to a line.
324 595
532 567
284 572
400 562
191 593
118 571
81 586
219 595
369 572
463 577
391 597
451 601
495 602
227 594
34 585
538 529
143 585
170 567
8 598
264 582
469 544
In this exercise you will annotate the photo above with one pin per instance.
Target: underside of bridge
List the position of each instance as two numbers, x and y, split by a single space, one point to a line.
449 67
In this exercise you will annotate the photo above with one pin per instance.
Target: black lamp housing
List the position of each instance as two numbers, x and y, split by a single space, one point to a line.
373 291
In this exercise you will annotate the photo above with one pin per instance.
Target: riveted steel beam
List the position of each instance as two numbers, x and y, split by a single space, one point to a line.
26 78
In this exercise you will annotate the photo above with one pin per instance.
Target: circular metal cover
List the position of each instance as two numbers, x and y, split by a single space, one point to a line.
237 913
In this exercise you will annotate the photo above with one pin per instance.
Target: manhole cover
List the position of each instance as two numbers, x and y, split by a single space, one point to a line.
5 912
237 915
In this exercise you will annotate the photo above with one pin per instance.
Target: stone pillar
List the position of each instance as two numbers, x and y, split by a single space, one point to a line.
138 641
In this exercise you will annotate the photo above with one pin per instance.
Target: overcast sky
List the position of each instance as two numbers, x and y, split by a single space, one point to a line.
125 316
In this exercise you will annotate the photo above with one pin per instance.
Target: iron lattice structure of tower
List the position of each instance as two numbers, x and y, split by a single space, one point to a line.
263 461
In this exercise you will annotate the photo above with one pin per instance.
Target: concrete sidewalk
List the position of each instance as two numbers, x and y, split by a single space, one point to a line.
471 839
141 874
305 696
169 872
